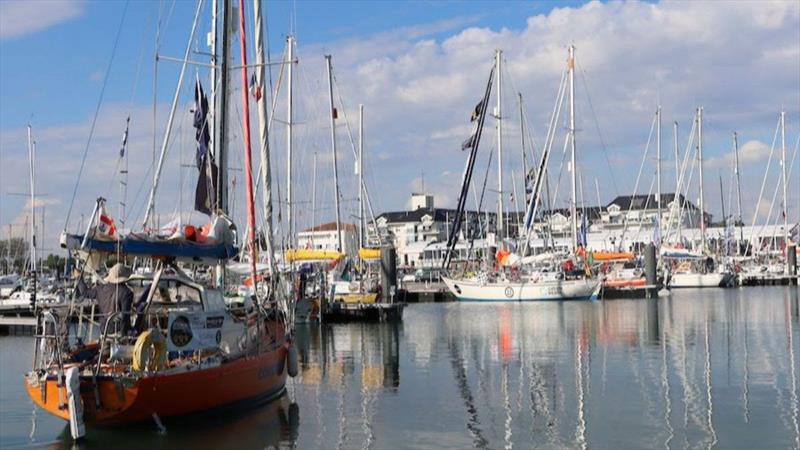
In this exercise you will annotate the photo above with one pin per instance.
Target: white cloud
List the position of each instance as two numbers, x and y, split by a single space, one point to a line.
21 17
751 152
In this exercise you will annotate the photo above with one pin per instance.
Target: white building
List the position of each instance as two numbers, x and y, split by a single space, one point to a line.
411 231
323 237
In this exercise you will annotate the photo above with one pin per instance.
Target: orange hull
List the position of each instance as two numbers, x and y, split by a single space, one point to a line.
622 283
125 400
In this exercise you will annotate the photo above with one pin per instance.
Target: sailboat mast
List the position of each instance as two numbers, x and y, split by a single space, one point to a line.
32 158
361 240
573 166
289 137
522 150
783 177
700 158
499 117
738 191
313 196
261 105
248 166
32 163
332 113
658 165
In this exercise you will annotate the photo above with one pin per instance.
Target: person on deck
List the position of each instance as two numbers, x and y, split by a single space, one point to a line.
115 296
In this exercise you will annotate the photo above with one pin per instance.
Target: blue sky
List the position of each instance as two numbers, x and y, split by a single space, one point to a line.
56 73
418 67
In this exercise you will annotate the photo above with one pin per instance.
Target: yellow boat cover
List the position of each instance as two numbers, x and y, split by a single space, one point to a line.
302 254
369 253
358 298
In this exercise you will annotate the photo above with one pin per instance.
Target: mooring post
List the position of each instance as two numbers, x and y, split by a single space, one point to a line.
388 272
650 270
791 260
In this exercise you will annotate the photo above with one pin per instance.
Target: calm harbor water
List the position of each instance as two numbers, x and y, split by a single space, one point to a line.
712 368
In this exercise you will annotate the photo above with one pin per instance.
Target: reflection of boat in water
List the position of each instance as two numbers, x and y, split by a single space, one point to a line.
272 424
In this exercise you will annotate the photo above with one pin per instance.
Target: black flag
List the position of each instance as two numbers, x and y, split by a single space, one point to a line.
469 143
205 195
476 113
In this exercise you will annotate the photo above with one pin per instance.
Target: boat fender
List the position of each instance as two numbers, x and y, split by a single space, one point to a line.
76 426
291 361
150 351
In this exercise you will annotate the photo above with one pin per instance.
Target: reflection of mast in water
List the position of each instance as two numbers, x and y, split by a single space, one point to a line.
745 382
580 431
473 424
506 346
665 385
367 398
710 407
793 392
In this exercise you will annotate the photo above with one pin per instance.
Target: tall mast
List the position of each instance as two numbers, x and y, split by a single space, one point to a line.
289 137
573 205
783 177
522 150
675 196
220 132
499 117
32 158
313 196
738 191
360 167
261 106
332 112
658 164
702 193
248 165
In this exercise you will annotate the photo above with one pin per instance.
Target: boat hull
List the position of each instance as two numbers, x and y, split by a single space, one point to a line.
700 280
127 400
472 290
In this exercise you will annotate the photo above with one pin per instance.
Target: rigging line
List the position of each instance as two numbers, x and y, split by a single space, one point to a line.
599 133
96 113
639 177
353 148
763 184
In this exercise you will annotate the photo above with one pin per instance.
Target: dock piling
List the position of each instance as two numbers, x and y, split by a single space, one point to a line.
650 270
791 261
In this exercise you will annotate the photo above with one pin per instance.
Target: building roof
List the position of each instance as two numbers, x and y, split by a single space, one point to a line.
438 215
640 202
330 226
592 212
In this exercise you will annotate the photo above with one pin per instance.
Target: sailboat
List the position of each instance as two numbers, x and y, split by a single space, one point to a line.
522 277
179 348
695 268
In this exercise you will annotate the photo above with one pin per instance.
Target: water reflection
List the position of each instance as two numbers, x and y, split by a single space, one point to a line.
699 369
271 425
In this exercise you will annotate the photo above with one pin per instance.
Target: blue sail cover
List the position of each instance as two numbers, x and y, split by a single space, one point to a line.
183 250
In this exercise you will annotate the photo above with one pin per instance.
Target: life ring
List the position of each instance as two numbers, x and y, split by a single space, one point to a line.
150 351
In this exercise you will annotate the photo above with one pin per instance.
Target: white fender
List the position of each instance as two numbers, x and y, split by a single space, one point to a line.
76 426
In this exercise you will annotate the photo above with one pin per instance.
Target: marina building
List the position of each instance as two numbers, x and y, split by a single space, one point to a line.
323 237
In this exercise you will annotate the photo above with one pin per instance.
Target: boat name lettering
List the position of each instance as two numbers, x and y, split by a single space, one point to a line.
214 321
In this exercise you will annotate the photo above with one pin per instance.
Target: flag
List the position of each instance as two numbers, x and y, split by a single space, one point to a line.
656 232
255 88
205 194
105 224
582 238
469 143
202 134
124 138
476 112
